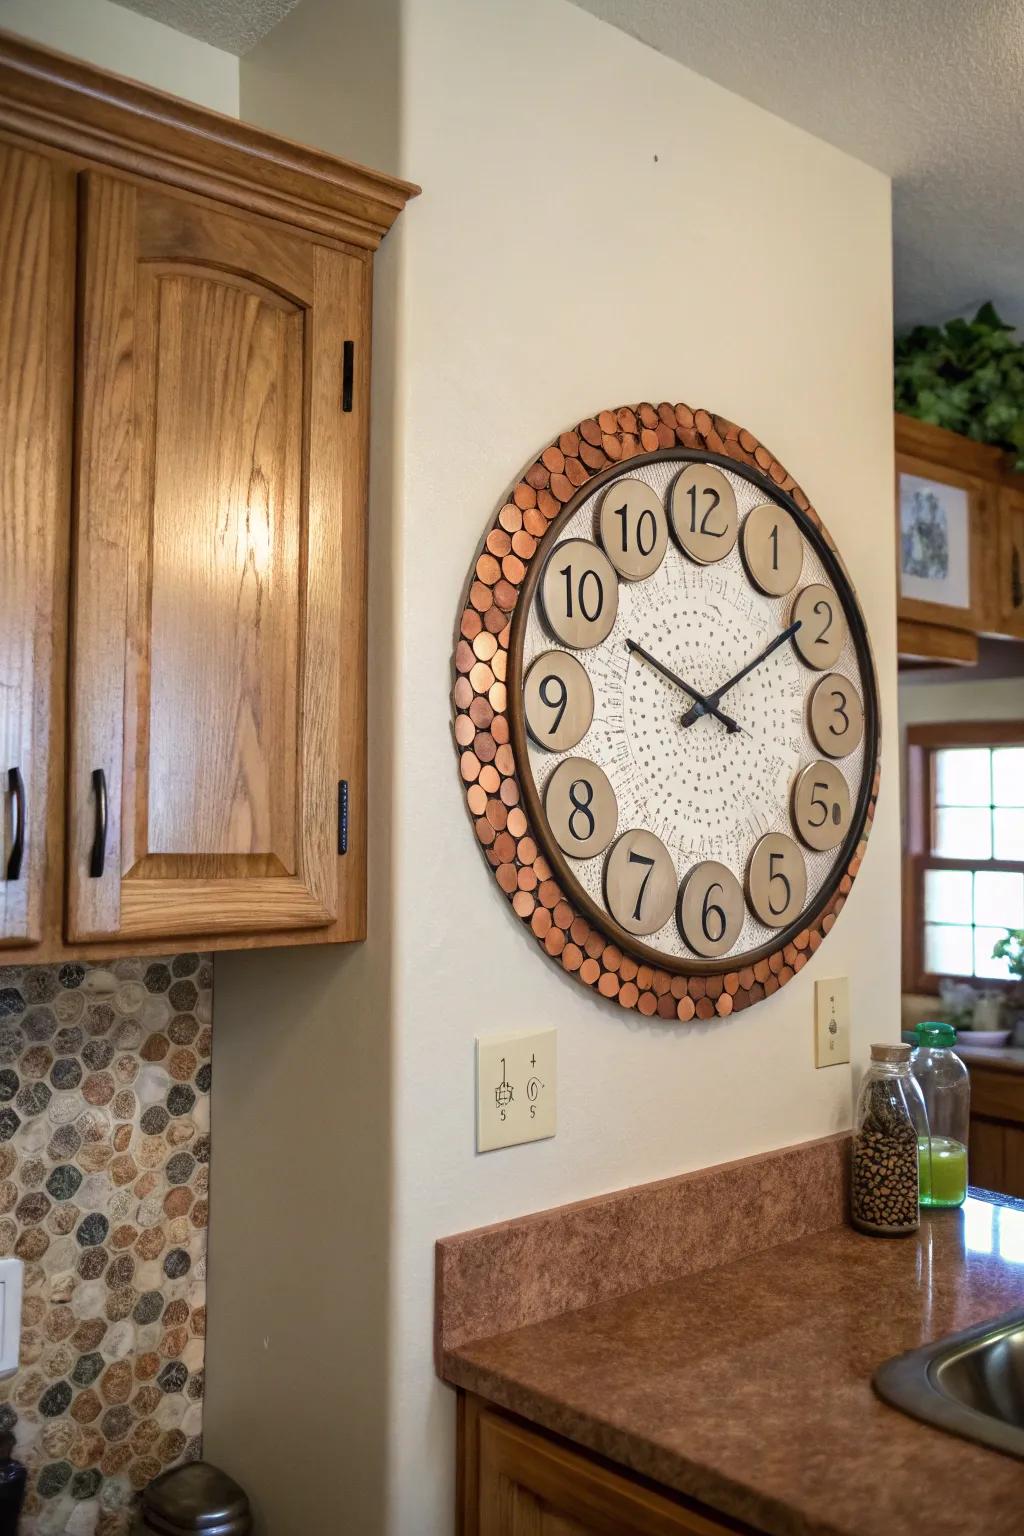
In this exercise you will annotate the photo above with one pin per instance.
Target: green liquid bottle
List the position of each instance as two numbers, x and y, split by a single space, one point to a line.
946 1086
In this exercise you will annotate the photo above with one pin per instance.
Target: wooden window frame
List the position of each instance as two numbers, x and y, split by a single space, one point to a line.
923 741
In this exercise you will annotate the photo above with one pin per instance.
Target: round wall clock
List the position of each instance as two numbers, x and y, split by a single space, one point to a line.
666 712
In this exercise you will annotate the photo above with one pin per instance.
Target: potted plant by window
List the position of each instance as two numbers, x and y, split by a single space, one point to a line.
1011 949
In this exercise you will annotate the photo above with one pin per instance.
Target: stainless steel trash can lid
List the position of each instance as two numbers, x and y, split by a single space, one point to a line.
196 1497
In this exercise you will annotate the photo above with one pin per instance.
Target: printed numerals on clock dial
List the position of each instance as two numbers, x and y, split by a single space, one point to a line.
696 710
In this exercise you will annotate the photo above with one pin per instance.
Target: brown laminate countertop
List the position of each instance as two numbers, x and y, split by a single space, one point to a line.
748 1386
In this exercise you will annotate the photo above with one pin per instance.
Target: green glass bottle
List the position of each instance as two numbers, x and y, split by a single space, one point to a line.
946 1086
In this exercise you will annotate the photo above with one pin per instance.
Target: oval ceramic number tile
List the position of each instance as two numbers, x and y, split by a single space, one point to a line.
558 701
640 882
822 634
776 880
633 528
836 716
821 806
580 593
704 513
772 549
581 809
710 911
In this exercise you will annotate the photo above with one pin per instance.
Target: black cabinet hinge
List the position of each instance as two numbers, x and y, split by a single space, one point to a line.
343 815
348 368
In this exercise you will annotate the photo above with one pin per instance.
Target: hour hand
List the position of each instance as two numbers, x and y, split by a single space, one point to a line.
701 704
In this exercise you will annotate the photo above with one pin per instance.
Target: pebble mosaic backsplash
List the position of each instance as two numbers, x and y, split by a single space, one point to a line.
104 1168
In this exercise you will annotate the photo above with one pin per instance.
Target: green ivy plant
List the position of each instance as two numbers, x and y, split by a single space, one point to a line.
967 376
1011 949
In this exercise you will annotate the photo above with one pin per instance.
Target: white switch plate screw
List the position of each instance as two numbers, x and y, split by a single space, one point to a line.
515 1088
832 1021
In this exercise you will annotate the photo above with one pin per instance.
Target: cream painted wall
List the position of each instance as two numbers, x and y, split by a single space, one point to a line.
961 698
597 225
108 35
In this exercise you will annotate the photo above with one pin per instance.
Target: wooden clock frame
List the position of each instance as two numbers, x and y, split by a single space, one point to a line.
490 731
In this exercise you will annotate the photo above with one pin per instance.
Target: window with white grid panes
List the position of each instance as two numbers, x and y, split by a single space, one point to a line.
970 872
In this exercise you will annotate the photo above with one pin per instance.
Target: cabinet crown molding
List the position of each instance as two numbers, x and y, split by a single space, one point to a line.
82 110
922 440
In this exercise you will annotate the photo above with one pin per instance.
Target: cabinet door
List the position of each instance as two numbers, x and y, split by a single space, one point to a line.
986 1155
36 331
1010 573
215 464
519 1483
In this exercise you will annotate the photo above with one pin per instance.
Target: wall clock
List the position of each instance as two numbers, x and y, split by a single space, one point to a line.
666 712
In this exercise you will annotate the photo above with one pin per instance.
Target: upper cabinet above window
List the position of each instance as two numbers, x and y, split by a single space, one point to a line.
184 372
959 545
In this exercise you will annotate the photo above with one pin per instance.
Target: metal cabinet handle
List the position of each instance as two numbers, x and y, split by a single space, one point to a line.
99 842
16 785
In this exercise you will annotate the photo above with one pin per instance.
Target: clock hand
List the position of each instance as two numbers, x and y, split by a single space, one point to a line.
711 702
701 704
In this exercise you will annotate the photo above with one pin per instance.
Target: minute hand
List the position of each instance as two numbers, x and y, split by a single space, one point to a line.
702 705
713 699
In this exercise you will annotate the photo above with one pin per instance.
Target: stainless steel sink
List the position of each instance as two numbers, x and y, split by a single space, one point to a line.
969 1383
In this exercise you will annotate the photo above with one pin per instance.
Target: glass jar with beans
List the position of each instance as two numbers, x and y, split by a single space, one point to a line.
890 1121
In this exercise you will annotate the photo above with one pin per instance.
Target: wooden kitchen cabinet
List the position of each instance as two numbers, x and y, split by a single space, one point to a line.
935 633
205 645
518 1481
1008 582
996 1150
188 437
929 459
36 322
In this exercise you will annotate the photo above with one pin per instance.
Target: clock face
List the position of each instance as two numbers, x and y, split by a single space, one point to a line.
697 709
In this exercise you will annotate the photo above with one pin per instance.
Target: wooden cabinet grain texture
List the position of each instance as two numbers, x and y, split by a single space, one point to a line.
996 1150
36 326
205 643
205 469
517 1481
1008 606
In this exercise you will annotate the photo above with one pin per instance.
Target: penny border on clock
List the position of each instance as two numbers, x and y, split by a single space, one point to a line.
490 730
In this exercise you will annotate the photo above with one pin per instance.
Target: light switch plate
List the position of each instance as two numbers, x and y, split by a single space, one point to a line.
515 1088
832 1021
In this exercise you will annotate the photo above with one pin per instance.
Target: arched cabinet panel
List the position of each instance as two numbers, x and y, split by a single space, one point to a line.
205 664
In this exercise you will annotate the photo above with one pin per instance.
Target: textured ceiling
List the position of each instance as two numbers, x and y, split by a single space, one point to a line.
928 90
235 25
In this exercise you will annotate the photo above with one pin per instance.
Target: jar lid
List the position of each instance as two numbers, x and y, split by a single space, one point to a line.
888 1052
935 1034
196 1497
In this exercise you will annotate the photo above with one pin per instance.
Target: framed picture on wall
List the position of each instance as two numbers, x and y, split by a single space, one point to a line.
940 520
935 522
